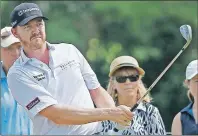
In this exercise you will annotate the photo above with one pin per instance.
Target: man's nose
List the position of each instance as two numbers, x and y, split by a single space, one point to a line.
35 29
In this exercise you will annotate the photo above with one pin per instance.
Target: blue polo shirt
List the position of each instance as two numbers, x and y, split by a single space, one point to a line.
189 126
14 120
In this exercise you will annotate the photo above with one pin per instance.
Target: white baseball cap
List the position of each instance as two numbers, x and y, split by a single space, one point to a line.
192 69
7 38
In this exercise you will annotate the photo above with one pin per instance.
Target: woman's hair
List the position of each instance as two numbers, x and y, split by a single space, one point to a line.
113 92
190 96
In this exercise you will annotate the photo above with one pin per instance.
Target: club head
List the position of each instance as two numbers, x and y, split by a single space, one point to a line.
186 32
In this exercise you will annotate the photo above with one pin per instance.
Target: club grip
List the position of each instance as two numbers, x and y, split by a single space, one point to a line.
133 108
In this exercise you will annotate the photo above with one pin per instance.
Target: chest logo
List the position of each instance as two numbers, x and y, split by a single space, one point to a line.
68 64
39 77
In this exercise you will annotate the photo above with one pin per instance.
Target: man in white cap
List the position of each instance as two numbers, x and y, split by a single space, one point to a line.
186 121
14 120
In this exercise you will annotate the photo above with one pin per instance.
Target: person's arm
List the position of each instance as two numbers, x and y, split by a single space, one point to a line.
101 98
156 124
176 128
39 101
76 116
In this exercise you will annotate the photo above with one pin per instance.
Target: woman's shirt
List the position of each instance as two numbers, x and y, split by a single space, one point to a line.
189 126
146 121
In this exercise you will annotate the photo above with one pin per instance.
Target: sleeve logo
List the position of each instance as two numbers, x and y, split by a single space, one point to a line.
33 103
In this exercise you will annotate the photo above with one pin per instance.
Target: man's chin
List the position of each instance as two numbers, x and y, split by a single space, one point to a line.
36 46
37 42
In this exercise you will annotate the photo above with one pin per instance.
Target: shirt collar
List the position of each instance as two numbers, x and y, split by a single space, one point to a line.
50 46
141 107
188 109
3 75
25 59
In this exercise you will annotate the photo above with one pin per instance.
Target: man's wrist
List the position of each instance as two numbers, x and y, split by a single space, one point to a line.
105 113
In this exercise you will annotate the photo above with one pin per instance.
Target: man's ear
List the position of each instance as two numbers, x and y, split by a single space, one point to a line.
14 32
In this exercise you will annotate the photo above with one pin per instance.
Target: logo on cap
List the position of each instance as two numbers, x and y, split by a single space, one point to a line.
20 13
14 23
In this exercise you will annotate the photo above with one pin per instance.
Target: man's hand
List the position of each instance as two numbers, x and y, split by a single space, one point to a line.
121 115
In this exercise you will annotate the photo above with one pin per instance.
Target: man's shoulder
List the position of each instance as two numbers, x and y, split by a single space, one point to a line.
16 67
61 45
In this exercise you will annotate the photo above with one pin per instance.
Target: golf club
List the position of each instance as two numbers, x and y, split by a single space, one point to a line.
186 32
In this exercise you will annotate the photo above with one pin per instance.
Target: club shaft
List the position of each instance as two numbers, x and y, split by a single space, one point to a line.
160 76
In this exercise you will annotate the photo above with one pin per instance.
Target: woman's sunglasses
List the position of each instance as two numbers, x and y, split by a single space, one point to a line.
122 79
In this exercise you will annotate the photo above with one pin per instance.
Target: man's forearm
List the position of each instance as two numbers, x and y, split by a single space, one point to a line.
101 98
75 116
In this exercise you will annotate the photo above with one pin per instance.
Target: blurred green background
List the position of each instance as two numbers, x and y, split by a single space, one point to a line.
146 30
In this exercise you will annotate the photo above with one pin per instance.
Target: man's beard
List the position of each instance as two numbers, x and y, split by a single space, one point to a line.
37 45
33 45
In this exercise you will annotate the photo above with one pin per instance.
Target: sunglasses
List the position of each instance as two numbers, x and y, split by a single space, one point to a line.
122 79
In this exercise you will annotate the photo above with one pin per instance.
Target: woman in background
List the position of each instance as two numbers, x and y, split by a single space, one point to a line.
126 87
186 121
